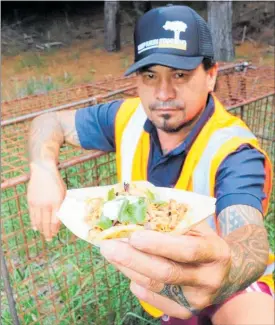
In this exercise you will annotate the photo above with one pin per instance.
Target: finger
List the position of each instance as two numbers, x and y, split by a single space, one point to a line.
33 218
197 297
55 222
123 254
167 306
37 218
180 248
140 279
46 222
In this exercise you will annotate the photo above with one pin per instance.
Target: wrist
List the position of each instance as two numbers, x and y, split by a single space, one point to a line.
47 165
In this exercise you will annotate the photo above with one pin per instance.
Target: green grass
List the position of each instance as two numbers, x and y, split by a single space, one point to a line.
125 61
32 86
70 275
270 224
37 86
66 79
74 56
33 60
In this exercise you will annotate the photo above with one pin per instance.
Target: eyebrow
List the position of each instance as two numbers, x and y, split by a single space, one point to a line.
151 69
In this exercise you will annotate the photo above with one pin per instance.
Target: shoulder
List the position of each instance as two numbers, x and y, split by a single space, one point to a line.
240 179
95 125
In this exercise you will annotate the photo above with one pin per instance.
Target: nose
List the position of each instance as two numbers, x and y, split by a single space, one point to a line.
165 91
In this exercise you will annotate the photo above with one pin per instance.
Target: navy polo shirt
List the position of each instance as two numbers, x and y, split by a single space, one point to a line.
240 177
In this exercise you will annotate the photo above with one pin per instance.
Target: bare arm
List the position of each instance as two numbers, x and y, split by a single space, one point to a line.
243 229
46 188
47 134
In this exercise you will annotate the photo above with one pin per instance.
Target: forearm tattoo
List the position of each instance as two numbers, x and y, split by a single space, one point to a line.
242 228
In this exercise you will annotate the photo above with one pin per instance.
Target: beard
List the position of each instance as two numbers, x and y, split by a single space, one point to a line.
164 124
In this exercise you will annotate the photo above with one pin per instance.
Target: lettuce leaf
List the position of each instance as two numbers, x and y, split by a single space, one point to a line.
150 195
125 212
160 203
111 195
129 213
133 212
139 210
104 222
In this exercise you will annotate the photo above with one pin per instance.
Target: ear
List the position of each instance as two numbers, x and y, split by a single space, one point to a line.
212 77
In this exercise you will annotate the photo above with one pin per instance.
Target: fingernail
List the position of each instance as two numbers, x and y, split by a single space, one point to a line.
34 228
48 239
139 234
137 290
137 238
108 248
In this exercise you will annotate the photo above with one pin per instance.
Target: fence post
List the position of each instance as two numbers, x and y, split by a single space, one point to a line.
8 289
242 111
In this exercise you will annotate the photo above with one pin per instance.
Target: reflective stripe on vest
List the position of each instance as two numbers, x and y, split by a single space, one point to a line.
201 174
201 180
270 268
129 141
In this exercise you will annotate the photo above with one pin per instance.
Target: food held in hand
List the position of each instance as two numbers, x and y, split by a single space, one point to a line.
128 208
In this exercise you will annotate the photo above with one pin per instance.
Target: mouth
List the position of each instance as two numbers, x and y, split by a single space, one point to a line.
166 109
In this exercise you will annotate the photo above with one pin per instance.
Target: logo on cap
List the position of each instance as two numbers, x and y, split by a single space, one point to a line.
176 43
176 27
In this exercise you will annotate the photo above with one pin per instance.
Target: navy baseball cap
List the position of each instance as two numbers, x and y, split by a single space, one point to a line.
172 36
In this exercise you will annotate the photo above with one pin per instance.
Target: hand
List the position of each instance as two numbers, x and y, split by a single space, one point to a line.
46 192
179 275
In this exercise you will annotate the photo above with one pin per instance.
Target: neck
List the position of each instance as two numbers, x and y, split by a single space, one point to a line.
170 141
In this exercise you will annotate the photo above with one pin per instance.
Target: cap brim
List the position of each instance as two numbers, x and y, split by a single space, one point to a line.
168 60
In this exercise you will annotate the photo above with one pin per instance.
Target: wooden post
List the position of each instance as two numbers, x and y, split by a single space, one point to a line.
220 23
111 26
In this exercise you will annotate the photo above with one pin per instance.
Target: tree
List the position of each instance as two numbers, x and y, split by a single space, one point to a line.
141 7
220 22
111 26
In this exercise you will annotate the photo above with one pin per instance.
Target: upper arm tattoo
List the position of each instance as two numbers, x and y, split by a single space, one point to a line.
236 216
67 122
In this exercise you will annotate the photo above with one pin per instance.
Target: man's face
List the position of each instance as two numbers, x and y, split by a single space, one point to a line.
173 98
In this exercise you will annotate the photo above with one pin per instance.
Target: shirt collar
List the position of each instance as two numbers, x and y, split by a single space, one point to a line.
187 143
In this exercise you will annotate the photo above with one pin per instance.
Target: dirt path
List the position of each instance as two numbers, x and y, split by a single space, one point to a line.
82 59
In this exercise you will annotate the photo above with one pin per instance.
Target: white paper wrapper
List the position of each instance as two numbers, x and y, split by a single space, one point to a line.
72 210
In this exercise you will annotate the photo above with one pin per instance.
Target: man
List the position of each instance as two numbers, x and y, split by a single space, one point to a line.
176 134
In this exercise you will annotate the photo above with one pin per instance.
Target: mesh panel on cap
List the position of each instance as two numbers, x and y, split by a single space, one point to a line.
205 38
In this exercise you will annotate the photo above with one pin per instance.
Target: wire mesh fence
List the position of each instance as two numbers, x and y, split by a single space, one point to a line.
236 82
93 91
66 281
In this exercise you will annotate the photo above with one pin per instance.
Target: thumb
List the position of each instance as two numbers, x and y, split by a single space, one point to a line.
199 229
202 228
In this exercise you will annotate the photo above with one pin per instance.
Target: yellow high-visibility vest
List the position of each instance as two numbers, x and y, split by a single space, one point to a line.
221 135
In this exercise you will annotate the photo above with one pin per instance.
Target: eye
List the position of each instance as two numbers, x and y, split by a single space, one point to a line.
149 75
179 75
